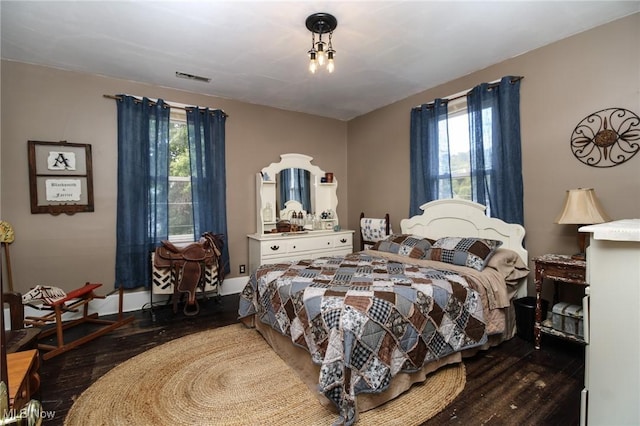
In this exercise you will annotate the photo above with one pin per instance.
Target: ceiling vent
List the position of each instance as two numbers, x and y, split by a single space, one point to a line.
192 77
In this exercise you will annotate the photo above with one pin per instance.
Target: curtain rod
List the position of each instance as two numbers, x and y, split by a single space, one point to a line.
490 86
152 103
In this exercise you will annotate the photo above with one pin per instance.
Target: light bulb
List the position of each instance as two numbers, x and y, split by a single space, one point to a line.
330 65
313 63
321 53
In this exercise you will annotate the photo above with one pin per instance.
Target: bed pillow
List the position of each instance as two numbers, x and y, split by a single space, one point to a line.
463 251
405 245
509 264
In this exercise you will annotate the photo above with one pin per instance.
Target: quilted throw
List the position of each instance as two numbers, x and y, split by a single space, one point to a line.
363 319
373 229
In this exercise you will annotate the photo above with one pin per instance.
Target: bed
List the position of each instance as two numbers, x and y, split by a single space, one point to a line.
361 329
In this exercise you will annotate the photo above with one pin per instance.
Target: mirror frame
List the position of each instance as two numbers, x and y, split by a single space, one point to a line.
323 195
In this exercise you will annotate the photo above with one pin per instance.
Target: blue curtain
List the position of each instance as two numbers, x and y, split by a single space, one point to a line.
496 158
206 133
143 183
295 184
429 155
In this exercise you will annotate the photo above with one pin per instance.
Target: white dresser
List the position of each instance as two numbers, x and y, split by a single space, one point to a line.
274 248
612 372
277 198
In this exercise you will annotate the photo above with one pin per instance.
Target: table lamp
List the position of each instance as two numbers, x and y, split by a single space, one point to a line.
581 207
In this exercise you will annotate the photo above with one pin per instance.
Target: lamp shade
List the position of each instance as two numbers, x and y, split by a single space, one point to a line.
581 207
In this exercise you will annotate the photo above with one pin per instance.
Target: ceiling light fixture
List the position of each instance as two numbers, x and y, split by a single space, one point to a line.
321 52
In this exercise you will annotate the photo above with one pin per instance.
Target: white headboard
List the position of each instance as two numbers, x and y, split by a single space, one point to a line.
461 218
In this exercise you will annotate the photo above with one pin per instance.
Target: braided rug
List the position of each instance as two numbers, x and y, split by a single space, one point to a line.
230 376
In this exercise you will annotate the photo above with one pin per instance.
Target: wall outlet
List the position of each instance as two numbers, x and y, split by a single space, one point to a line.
243 269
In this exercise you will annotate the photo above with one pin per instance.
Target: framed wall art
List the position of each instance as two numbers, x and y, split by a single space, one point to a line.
60 177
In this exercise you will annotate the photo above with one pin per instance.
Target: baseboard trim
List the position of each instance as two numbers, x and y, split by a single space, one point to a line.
133 301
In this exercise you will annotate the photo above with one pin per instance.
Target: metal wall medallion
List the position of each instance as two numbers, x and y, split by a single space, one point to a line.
606 138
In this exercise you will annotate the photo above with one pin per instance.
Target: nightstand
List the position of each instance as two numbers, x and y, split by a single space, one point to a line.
556 268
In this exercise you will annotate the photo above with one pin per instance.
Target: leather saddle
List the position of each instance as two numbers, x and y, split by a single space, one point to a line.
188 265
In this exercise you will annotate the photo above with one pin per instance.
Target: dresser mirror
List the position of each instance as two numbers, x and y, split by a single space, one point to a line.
294 184
297 191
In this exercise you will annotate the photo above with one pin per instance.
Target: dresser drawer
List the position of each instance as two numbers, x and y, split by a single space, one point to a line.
310 244
564 272
292 246
267 249
273 248
343 241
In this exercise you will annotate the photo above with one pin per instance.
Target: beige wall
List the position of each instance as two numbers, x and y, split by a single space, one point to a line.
563 83
46 104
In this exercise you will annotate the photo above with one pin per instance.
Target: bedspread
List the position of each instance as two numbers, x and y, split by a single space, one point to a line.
364 318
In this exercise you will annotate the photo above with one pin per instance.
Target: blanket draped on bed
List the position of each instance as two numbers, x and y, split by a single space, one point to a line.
364 318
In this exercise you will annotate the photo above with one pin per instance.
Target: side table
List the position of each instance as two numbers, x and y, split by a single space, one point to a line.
557 268
24 377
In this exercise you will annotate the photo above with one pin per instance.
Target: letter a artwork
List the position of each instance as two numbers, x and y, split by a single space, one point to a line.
61 160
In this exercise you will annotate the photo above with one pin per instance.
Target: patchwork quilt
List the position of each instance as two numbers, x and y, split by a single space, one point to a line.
364 318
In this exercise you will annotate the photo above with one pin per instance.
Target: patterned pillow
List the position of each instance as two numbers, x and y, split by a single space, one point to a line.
471 252
405 245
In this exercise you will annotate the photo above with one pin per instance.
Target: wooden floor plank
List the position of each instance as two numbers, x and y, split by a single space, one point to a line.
512 384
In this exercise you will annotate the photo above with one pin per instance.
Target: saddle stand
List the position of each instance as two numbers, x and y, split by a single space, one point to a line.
187 265
76 298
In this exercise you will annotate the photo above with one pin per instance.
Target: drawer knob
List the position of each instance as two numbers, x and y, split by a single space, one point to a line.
274 248
344 240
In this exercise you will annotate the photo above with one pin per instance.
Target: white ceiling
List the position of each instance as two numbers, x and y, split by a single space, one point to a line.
256 51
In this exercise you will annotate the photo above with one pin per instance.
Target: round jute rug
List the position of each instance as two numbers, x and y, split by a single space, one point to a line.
230 376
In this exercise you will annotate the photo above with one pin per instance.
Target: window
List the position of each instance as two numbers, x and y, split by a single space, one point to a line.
483 132
460 147
150 138
459 156
180 201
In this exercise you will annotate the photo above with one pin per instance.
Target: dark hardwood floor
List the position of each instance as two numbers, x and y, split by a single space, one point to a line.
512 384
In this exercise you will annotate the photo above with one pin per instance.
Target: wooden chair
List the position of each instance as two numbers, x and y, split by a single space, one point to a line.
373 230
18 337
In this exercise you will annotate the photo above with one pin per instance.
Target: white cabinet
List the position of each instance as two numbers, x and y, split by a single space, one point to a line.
612 371
274 248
